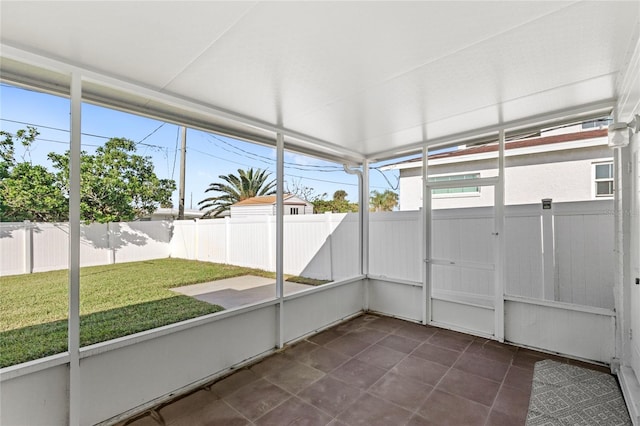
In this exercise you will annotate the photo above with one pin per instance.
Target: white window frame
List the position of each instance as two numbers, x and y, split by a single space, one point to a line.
595 180
476 175
294 210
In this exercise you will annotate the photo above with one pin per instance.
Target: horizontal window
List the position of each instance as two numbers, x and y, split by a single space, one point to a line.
460 190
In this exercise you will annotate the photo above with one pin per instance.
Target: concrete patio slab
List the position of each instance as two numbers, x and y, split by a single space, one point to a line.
237 291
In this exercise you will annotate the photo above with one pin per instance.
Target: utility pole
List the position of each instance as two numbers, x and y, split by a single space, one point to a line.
183 157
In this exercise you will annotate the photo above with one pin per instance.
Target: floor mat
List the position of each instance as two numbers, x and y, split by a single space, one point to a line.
563 394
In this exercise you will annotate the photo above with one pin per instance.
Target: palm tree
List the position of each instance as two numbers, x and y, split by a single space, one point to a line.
248 183
383 201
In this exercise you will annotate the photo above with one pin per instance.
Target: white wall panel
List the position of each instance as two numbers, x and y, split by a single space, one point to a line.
344 247
183 240
122 379
584 258
51 247
212 240
395 240
39 398
136 241
475 319
314 311
12 251
252 242
98 245
307 245
397 299
586 335
523 256
452 278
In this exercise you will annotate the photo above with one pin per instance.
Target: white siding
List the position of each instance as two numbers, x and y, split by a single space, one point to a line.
259 210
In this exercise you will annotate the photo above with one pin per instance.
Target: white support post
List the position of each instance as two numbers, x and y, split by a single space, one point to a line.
426 239
280 236
28 247
364 219
549 290
499 246
75 394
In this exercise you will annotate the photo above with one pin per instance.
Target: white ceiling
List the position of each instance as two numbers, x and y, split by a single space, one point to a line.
369 77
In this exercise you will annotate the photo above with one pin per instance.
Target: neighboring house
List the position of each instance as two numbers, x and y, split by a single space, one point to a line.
266 205
575 166
172 214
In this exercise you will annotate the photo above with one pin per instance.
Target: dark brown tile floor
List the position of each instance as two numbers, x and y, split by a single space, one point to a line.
371 370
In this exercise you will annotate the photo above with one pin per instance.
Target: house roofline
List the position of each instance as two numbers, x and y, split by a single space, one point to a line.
478 151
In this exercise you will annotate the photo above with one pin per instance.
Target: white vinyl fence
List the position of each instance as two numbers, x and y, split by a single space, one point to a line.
315 246
37 247
564 254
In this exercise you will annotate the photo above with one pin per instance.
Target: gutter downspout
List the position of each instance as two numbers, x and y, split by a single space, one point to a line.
363 218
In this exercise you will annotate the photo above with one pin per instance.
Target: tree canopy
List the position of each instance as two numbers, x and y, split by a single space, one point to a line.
339 204
116 184
382 201
247 184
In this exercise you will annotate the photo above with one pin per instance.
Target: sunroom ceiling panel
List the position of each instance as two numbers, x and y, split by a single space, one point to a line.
291 59
366 76
145 42
573 62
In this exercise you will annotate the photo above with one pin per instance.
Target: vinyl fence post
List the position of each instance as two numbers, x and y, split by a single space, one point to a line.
227 239
28 247
111 244
328 220
549 290
196 239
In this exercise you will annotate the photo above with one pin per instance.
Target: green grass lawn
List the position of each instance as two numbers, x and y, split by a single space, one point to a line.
115 301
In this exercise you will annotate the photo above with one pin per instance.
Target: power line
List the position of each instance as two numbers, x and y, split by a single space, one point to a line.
38 126
288 175
175 154
395 188
146 137
270 161
57 141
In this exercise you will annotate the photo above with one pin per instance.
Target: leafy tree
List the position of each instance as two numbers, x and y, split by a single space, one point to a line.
339 204
116 184
247 184
382 201
27 192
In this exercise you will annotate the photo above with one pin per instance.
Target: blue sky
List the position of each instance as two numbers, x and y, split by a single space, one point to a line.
208 155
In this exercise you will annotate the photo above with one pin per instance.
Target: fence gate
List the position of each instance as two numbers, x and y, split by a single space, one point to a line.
462 257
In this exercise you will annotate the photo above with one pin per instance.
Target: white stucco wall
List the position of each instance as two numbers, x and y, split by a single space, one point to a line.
564 176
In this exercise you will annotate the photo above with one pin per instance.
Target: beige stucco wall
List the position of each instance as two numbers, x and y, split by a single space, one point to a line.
566 175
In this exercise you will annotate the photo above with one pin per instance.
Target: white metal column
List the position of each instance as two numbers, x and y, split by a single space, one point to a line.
280 236
75 394
364 218
499 251
426 239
